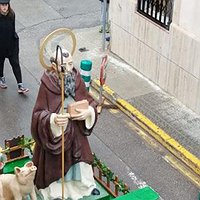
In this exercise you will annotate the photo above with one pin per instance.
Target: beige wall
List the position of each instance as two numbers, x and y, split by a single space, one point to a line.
171 59
189 16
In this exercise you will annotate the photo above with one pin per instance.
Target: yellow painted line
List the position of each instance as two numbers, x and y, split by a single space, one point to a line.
193 177
114 111
142 134
105 88
143 118
168 142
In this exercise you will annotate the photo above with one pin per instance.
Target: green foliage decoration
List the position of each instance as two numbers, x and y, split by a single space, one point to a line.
106 172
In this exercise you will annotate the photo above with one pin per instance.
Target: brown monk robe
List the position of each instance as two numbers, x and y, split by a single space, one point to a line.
47 153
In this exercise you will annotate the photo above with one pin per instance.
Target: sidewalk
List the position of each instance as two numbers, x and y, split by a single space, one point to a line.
174 125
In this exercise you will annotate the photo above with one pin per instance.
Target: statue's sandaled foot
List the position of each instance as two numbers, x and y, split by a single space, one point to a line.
95 191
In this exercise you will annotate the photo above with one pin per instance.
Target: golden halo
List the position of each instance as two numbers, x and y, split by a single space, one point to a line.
63 37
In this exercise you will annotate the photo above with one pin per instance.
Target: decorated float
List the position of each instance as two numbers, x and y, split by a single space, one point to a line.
18 151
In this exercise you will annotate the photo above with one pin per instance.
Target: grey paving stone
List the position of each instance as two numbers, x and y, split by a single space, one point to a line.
175 119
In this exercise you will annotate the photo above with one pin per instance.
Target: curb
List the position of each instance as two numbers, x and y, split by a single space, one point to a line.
157 133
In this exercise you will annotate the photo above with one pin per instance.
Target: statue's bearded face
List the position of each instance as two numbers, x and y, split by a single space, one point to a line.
67 65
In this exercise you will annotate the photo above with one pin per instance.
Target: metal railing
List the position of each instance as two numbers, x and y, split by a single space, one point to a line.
159 11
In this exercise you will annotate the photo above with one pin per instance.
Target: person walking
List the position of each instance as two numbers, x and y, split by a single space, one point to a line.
9 45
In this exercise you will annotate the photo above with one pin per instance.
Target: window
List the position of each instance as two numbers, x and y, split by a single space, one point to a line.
159 11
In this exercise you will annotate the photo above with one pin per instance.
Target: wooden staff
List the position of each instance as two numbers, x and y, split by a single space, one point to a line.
63 136
61 76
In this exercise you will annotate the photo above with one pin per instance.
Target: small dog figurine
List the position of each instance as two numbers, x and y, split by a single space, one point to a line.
17 186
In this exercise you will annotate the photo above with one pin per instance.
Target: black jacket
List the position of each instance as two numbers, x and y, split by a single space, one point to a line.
108 1
9 40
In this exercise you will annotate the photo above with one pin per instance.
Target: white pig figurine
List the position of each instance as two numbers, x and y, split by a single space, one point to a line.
17 186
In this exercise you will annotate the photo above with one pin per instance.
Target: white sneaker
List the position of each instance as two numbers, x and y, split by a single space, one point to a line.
22 89
3 83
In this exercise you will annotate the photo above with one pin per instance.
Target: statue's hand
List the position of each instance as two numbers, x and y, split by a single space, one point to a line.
61 119
83 114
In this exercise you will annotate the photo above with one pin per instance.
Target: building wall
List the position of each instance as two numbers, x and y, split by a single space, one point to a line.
189 15
171 59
